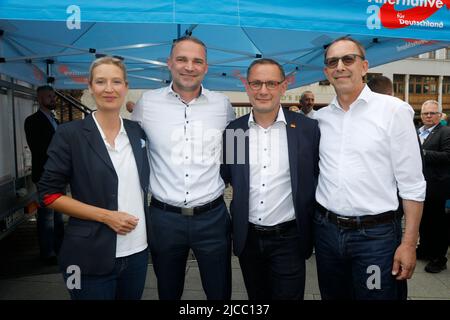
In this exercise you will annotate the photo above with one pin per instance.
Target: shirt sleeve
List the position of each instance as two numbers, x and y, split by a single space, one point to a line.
405 155
138 112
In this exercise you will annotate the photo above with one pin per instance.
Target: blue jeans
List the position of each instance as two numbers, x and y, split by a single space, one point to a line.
125 282
207 234
357 263
50 230
272 266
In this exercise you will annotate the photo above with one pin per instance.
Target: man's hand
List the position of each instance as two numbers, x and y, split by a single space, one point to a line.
404 262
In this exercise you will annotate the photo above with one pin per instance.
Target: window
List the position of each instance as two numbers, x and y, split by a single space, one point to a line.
399 84
423 84
432 55
446 85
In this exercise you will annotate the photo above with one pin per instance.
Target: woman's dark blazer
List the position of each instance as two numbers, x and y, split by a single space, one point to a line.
78 156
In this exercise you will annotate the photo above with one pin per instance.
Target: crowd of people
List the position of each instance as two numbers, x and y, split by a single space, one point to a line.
340 180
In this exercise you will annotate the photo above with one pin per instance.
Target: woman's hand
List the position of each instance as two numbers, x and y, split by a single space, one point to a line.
121 222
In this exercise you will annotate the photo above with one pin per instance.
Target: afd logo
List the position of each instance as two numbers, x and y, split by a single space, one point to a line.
385 13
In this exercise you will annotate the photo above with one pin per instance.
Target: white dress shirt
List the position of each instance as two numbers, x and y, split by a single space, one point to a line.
366 153
270 179
130 197
185 144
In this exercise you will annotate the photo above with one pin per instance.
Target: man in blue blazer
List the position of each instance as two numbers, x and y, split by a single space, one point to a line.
271 161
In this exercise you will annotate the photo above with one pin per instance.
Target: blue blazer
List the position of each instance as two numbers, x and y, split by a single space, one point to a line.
78 156
303 137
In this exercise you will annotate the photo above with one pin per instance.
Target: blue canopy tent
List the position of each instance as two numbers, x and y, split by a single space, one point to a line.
56 40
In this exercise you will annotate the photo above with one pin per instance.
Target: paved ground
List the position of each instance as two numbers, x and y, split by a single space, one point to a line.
22 276
423 286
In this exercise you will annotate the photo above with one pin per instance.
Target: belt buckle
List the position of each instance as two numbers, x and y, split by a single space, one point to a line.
187 211
343 221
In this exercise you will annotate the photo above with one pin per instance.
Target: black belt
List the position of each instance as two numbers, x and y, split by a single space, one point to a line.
357 222
275 230
186 211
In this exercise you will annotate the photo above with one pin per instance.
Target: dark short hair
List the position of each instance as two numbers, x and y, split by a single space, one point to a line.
380 84
44 88
266 61
188 38
361 49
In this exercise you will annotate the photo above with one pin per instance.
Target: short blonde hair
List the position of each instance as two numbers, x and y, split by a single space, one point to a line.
107 60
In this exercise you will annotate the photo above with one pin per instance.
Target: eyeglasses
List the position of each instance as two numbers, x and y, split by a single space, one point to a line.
429 113
347 60
271 85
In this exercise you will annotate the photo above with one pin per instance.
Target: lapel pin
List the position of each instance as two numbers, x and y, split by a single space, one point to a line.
293 125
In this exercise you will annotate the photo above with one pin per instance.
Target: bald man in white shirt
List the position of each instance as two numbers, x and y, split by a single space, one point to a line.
184 124
368 148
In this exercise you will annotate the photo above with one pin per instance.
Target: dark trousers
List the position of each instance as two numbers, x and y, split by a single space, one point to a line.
272 266
125 282
207 234
434 228
50 230
357 263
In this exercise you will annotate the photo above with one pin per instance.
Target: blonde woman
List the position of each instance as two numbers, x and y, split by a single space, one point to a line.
104 160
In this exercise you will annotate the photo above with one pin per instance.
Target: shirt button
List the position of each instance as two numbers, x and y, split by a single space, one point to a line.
187 175
262 202
263 185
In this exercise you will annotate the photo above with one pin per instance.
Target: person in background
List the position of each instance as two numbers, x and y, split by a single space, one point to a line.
130 106
39 130
444 121
435 140
104 159
381 84
294 109
307 104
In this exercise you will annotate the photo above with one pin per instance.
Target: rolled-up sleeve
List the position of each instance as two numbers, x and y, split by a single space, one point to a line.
57 170
405 155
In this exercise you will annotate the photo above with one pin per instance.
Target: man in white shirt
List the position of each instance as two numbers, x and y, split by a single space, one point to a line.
368 148
273 190
307 104
184 124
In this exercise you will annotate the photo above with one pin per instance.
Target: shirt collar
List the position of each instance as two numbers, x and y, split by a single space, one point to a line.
121 131
422 128
364 96
169 91
280 117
